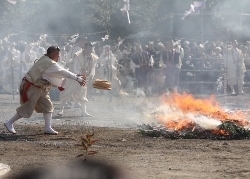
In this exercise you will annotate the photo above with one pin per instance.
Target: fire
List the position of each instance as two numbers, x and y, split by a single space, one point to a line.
184 112
219 132
182 124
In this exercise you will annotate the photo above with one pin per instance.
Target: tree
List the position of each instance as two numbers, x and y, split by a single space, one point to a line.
107 14
17 15
100 12
47 15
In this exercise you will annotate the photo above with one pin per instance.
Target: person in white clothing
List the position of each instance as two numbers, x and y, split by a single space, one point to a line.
35 87
84 62
11 69
79 44
69 61
108 69
235 68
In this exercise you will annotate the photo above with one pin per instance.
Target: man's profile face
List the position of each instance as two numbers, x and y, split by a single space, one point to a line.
55 55
82 43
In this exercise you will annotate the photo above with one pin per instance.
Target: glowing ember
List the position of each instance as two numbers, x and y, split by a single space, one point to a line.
182 112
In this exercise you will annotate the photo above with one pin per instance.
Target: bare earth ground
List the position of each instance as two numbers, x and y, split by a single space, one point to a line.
120 144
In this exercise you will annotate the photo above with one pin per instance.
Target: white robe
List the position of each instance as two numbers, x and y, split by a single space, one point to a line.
104 71
235 66
72 88
11 71
69 58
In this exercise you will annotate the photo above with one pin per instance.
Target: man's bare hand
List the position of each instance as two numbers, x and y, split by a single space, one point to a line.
81 79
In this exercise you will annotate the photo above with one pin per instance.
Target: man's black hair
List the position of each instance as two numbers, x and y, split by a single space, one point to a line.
51 49
88 44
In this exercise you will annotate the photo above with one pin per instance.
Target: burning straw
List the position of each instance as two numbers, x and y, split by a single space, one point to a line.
184 116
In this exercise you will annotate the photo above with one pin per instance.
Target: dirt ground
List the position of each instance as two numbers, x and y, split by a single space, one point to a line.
146 157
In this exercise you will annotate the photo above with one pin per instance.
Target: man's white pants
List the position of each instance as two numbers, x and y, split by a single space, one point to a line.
75 91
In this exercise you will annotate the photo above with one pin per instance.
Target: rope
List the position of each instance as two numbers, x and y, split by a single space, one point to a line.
55 35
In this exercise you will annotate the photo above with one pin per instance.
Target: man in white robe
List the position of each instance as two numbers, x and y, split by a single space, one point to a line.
27 61
69 62
11 70
235 68
84 62
79 44
108 69
35 87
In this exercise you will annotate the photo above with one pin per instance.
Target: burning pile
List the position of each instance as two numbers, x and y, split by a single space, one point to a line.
183 116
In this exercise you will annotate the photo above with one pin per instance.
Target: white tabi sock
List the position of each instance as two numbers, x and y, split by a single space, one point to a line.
48 129
84 110
9 124
62 104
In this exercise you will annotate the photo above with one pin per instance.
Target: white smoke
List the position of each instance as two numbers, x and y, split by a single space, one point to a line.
172 113
204 121
233 16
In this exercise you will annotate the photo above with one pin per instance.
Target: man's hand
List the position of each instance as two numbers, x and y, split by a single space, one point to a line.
81 79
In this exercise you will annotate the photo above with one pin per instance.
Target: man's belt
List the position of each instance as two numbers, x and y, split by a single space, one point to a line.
24 94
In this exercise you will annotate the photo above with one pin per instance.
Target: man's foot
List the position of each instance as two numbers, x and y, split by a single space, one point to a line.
85 114
50 131
241 92
10 128
60 113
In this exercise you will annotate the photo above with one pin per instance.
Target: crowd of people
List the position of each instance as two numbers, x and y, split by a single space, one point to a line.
142 69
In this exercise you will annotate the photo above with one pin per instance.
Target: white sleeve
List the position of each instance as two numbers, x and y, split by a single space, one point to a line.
56 71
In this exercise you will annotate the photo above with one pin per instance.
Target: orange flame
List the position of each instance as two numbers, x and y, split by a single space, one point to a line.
183 124
220 132
183 104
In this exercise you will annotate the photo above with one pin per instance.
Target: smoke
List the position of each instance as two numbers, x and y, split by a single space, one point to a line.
220 20
205 122
31 18
234 17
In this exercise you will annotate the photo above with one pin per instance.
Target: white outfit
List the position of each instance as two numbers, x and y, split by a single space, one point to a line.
235 66
56 75
117 54
26 63
40 51
11 71
82 65
35 89
105 62
69 58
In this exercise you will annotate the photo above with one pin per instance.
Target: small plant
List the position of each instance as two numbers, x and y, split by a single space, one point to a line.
86 143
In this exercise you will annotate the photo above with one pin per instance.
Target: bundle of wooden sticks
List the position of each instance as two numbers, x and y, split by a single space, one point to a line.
102 84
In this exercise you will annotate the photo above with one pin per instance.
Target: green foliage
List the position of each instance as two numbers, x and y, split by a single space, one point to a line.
234 131
143 13
17 15
101 11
